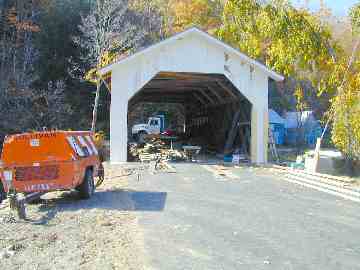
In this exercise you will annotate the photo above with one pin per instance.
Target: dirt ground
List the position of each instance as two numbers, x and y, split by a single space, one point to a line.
64 232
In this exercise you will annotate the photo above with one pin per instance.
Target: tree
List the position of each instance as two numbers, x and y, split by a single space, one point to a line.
24 103
58 58
291 41
345 108
177 15
148 16
56 50
17 56
106 32
301 106
202 13
32 109
17 29
346 124
354 15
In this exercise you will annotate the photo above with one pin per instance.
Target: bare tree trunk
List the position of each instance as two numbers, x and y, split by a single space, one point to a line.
348 156
299 133
97 98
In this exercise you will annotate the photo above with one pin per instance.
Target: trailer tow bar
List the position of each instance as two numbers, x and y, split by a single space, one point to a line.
18 203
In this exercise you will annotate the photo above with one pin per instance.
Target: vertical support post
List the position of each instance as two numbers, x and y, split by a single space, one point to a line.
118 129
266 133
232 133
259 134
96 105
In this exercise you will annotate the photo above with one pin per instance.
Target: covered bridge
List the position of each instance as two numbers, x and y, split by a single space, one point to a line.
213 81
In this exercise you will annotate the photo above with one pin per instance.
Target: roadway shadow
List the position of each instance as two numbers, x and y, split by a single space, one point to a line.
148 201
115 199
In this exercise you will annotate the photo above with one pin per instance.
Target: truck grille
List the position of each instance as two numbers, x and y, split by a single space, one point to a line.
50 172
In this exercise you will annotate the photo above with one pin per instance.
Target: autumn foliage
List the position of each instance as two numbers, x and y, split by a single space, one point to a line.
67 41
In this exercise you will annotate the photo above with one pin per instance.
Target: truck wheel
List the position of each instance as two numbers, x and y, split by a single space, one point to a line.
87 187
141 137
2 193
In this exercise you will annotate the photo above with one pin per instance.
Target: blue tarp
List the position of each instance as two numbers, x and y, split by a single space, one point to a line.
285 130
278 131
277 126
301 127
308 135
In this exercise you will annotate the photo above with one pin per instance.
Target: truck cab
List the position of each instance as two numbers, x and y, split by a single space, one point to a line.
155 125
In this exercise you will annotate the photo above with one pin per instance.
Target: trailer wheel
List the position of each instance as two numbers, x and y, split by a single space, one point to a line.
2 192
87 187
21 210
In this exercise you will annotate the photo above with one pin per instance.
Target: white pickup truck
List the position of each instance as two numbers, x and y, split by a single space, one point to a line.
155 125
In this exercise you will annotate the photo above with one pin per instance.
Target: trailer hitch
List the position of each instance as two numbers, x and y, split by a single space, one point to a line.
18 202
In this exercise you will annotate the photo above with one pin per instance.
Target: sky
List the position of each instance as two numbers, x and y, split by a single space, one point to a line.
339 7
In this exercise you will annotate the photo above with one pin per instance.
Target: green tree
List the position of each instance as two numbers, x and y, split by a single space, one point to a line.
291 41
346 104
105 32
59 58
202 13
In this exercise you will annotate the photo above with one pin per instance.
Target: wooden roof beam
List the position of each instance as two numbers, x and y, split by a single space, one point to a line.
207 96
173 84
229 91
199 98
215 93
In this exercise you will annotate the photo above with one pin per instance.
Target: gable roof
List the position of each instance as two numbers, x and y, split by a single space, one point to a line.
272 74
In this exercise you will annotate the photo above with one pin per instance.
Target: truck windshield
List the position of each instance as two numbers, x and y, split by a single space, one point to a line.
154 123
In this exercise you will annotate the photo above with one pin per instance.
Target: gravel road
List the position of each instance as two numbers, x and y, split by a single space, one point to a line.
64 232
203 217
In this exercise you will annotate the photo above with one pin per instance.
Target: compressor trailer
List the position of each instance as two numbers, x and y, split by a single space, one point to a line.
33 164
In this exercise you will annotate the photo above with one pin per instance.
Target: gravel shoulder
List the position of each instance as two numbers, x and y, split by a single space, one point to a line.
64 232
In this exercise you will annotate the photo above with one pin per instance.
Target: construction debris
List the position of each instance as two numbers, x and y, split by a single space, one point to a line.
155 149
191 151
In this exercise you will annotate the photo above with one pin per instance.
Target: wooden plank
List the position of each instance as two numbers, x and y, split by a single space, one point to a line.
245 130
147 97
320 175
206 95
200 99
247 140
229 91
172 90
174 83
232 133
215 93
186 76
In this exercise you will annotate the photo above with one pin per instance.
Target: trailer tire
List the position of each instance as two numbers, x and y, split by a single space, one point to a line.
2 192
87 187
21 210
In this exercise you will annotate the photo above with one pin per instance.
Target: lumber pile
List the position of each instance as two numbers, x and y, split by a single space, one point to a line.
155 149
